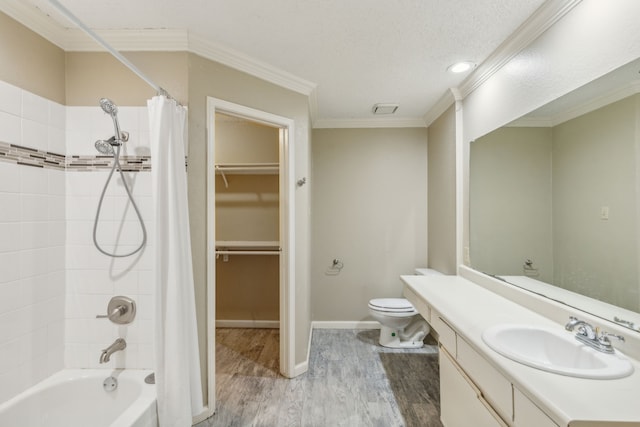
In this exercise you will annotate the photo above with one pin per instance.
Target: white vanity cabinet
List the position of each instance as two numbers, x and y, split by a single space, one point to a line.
473 392
461 402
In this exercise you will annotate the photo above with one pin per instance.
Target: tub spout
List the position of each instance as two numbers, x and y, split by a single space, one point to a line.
118 345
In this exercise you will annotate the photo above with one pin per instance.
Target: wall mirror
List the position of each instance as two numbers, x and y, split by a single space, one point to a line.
555 199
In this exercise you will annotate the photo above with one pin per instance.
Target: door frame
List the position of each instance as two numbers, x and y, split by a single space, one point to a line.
287 234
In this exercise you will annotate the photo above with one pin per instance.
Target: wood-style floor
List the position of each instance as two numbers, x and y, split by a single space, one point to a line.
351 382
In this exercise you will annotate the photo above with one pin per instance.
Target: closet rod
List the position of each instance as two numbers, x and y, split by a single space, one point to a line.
247 252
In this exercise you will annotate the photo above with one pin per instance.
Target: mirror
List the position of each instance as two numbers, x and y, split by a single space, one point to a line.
555 199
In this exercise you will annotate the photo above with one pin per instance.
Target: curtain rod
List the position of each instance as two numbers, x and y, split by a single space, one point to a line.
70 16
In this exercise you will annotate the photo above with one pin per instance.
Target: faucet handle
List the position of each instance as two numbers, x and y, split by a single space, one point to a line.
121 310
603 338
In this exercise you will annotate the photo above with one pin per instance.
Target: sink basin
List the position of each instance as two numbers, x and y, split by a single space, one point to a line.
555 351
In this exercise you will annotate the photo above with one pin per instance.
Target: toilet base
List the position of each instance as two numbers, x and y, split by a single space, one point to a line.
390 337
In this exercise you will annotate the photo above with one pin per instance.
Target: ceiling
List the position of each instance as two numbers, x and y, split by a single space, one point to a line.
347 55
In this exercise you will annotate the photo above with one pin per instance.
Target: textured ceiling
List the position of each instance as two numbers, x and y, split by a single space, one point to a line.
357 52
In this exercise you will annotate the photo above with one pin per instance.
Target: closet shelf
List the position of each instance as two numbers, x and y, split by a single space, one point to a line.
225 169
248 244
247 247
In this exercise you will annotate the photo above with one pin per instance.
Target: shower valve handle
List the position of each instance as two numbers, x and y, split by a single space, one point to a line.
121 310
117 312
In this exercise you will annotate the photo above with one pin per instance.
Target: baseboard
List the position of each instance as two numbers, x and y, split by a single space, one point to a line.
266 324
350 324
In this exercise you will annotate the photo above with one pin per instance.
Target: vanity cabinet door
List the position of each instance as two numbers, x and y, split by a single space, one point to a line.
446 334
495 388
527 414
461 404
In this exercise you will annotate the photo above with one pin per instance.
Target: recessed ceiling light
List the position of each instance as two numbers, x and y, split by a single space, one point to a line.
385 108
461 67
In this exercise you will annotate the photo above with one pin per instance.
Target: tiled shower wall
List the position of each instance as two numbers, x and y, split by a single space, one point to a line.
92 277
32 241
53 282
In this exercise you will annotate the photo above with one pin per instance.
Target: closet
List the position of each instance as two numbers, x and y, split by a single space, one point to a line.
247 220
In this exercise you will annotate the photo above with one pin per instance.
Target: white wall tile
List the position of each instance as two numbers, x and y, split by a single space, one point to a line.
10 129
57 234
13 324
56 142
85 125
33 262
14 382
35 135
83 208
57 115
76 355
9 177
56 208
146 282
35 207
10 99
55 359
34 235
10 237
35 107
11 297
11 207
57 182
34 180
9 267
12 354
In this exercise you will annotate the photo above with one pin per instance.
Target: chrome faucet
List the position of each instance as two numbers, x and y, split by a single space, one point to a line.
591 336
118 345
584 328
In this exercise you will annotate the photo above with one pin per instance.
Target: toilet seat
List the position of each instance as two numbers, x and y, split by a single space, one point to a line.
392 305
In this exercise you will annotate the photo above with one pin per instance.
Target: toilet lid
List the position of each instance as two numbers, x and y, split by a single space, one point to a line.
392 304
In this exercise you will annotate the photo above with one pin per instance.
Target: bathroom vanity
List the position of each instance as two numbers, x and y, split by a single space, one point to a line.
480 387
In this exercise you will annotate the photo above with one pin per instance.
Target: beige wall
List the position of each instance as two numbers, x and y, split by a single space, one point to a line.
207 78
442 193
595 164
369 210
94 75
31 62
247 287
510 201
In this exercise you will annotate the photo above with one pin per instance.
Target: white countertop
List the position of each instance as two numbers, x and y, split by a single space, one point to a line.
470 309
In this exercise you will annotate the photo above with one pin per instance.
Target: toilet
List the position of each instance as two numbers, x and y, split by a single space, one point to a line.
401 324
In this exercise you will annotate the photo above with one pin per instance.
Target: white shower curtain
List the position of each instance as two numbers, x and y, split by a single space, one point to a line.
176 339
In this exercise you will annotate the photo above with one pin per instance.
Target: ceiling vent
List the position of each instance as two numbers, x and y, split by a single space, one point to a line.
384 108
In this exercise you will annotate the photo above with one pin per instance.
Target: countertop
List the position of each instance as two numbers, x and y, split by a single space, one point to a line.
470 309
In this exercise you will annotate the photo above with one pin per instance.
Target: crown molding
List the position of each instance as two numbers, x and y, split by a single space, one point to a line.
34 19
543 18
610 97
446 100
166 40
151 40
245 63
369 123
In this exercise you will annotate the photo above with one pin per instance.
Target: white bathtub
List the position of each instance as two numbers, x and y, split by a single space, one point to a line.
76 398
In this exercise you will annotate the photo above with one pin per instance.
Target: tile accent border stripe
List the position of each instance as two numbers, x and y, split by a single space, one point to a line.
94 163
26 156
31 157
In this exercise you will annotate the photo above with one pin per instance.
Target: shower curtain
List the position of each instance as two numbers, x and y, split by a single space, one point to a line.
176 340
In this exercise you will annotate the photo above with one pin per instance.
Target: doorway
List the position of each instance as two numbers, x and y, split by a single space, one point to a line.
272 243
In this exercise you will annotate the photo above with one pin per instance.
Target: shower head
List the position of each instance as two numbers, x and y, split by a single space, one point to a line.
105 147
108 106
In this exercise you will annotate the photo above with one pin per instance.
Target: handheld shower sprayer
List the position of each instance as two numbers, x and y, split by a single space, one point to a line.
109 107
106 147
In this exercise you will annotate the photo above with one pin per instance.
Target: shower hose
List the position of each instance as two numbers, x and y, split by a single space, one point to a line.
116 163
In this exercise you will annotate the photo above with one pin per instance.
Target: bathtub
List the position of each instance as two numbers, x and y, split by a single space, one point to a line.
76 398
